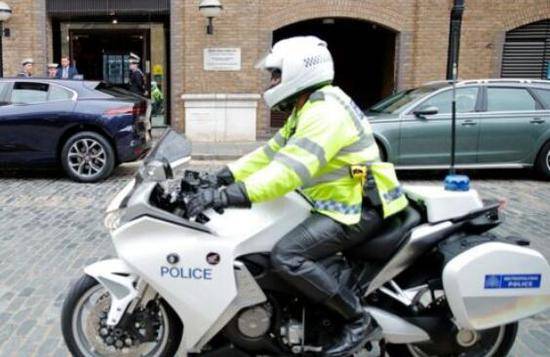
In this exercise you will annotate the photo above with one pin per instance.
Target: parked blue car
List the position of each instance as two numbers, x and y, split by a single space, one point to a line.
86 127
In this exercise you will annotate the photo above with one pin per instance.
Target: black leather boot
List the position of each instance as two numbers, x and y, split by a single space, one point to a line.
357 330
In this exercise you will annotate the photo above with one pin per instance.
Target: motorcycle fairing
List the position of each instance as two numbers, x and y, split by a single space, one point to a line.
199 292
117 277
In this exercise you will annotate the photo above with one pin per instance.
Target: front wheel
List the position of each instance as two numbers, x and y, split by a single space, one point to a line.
495 342
154 331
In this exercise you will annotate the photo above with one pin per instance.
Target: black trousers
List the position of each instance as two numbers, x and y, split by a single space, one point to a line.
296 255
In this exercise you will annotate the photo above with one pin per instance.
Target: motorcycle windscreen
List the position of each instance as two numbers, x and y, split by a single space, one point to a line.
495 283
171 147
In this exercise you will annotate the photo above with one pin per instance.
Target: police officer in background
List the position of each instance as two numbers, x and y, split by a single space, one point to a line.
323 144
26 68
52 70
137 79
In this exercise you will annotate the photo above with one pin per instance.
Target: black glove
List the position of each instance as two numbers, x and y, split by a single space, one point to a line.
233 196
224 177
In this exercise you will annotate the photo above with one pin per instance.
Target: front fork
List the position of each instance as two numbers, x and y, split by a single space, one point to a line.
127 290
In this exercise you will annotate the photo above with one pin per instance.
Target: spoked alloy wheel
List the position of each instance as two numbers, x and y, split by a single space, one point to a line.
87 334
87 157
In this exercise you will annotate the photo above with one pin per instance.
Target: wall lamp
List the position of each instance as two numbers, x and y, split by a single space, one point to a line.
210 9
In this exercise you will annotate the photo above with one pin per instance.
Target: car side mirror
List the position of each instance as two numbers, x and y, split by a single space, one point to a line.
425 110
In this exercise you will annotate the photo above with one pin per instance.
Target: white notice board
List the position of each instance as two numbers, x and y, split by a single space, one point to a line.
222 59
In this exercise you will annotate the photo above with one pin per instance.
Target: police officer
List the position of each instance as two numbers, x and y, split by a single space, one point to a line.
325 138
137 79
26 68
52 70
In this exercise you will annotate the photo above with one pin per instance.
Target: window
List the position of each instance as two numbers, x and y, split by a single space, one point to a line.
396 102
4 89
59 93
544 96
465 100
509 99
29 92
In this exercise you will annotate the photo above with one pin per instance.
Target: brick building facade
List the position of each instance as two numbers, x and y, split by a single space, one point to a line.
418 32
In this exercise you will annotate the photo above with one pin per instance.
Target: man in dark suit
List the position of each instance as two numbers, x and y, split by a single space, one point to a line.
66 71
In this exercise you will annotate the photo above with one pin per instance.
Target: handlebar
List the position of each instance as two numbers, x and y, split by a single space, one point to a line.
175 201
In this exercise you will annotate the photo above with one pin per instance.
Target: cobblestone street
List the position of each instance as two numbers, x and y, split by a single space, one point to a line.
50 228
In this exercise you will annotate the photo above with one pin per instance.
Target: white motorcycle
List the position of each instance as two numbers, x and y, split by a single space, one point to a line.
435 282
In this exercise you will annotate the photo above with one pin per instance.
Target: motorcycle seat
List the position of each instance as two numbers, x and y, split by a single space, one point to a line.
391 235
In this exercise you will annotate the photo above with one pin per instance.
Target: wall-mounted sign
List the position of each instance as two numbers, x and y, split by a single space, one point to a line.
222 59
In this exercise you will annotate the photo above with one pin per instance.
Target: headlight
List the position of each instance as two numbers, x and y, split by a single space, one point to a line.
113 219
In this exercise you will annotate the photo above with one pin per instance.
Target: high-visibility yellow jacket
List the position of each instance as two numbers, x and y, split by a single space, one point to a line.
314 150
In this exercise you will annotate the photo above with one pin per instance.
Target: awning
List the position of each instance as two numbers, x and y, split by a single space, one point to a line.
107 7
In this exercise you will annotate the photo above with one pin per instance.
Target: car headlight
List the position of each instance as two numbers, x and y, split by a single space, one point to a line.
113 219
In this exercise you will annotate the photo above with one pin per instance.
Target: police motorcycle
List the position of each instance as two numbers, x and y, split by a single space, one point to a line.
434 280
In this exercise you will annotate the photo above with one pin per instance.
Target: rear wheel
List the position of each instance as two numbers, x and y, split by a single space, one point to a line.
154 331
87 157
543 161
493 342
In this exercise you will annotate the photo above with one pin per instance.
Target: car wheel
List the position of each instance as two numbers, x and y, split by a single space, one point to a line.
87 157
543 161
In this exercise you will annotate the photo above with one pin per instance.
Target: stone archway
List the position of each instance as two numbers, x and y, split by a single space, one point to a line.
524 17
386 19
364 69
367 11
515 20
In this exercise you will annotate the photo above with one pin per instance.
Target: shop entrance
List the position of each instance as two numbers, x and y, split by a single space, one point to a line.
363 52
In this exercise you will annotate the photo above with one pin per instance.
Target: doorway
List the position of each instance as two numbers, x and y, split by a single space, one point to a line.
104 54
101 51
363 54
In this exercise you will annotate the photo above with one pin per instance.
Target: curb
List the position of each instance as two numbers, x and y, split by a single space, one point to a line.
214 157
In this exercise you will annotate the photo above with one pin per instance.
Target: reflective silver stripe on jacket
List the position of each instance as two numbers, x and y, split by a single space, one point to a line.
279 139
356 116
329 205
268 151
329 176
312 147
299 168
364 142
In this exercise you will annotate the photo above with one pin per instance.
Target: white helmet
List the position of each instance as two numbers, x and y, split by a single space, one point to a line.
304 62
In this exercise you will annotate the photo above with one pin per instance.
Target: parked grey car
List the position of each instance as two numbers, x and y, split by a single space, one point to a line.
501 123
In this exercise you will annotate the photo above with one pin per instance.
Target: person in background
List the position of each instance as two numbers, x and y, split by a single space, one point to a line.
66 71
137 79
157 98
27 67
52 70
